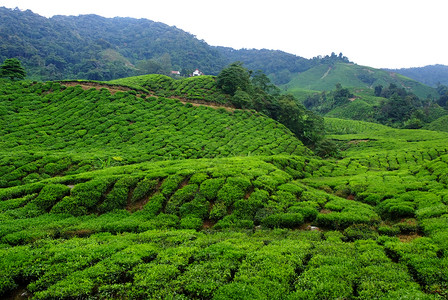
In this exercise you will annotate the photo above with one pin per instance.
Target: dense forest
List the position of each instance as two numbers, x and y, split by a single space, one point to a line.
97 48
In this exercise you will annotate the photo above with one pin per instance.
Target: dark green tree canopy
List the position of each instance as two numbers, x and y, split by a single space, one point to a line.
254 90
12 69
234 77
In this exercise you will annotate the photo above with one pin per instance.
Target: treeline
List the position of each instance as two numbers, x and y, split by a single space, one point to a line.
254 90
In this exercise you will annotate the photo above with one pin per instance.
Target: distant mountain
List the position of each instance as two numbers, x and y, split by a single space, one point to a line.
430 75
93 47
278 65
324 77
98 48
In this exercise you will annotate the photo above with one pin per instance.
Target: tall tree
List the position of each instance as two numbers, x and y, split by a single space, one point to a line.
12 69
234 77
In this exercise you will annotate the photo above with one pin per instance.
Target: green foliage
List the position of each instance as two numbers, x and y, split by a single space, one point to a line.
155 129
343 213
233 78
144 188
283 220
324 77
111 196
12 69
50 195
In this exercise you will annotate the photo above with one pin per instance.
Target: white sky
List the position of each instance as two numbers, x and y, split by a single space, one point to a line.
376 33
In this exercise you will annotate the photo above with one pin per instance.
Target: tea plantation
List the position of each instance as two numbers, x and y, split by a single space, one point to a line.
114 194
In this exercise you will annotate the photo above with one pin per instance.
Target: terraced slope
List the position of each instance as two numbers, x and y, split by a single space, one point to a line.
49 129
108 194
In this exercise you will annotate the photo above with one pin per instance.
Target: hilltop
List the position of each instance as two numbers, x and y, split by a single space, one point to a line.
429 75
324 77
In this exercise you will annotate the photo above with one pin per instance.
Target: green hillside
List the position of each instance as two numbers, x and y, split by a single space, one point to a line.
433 75
84 129
324 77
114 192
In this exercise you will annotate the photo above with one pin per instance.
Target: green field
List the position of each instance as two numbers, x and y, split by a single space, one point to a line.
114 193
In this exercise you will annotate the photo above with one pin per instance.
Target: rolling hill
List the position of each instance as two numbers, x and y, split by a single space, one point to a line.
324 77
429 75
112 191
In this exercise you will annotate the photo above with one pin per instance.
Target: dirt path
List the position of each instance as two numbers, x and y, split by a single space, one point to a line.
326 73
118 88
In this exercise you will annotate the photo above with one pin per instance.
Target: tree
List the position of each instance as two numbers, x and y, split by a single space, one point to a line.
234 77
378 90
12 69
262 82
305 124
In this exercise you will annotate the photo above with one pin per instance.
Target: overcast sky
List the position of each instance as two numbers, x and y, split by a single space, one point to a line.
380 33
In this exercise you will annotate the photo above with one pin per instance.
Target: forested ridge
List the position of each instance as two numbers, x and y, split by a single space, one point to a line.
93 47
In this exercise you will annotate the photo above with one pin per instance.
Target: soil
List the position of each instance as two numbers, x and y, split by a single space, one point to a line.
114 89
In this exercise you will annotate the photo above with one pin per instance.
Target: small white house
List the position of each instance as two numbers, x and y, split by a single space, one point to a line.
175 72
197 73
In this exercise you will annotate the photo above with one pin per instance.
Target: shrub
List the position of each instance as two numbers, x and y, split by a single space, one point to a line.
181 196
153 280
388 230
170 184
309 213
231 221
191 222
238 291
283 220
431 211
198 208
346 213
319 197
204 278
84 197
118 196
247 208
198 178
218 211
155 204
165 221
408 225
210 187
292 188
50 195
360 232
144 188
233 190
